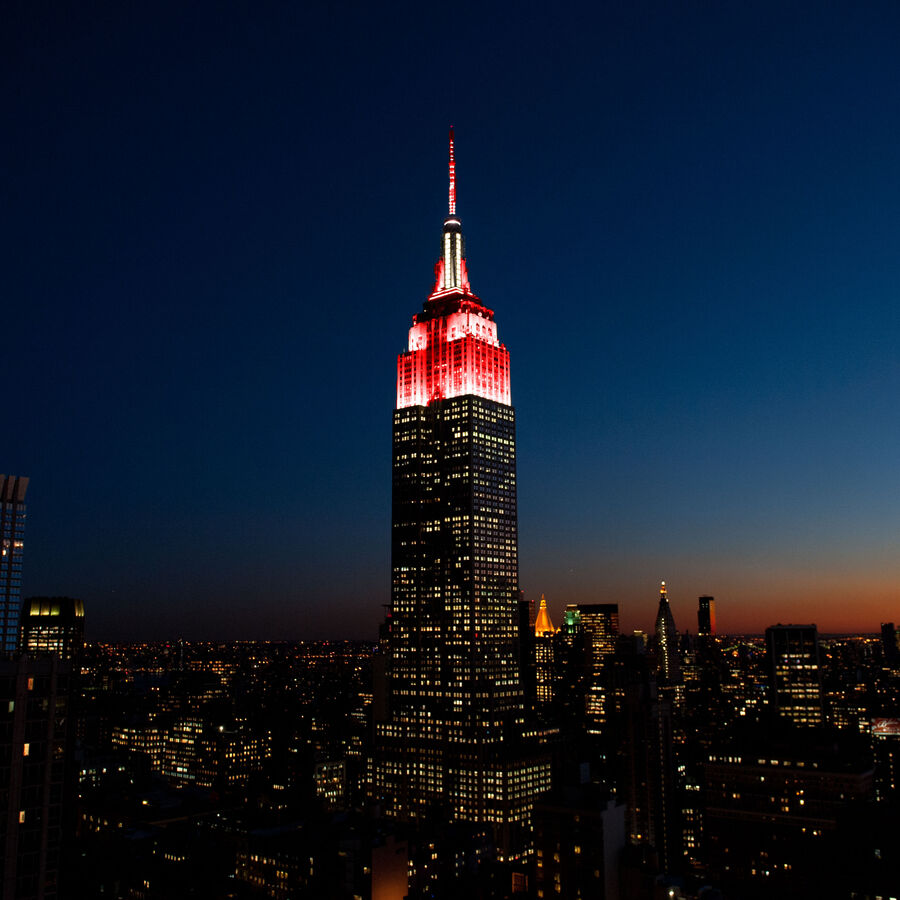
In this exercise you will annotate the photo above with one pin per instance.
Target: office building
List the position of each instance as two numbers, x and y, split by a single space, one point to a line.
774 811
451 745
52 625
34 708
544 655
600 625
886 751
579 841
706 617
12 544
795 681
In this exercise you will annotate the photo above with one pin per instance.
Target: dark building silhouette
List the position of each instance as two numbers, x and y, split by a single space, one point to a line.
776 811
450 747
889 643
668 661
646 765
795 677
34 709
12 544
706 617
37 732
579 840
886 750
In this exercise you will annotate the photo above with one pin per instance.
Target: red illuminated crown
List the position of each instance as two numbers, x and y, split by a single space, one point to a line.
453 346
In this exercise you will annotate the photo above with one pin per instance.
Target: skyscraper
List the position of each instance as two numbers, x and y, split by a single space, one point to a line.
12 543
36 742
450 740
544 655
600 623
667 641
795 678
706 616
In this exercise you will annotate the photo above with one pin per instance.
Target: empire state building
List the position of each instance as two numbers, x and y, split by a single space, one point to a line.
450 737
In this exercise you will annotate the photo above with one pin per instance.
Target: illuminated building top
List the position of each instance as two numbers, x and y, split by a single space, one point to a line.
453 347
542 624
667 640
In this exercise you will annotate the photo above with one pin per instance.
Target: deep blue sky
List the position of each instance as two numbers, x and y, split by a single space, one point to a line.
218 219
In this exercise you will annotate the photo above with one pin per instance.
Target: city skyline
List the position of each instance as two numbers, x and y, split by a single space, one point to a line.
212 242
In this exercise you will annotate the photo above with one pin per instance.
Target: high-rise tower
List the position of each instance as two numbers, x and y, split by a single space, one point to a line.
706 616
600 623
667 641
450 737
12 542
795 677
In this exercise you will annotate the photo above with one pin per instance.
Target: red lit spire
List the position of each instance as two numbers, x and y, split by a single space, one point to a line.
450 272
453 345
452 209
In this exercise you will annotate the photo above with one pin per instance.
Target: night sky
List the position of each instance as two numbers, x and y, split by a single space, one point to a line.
219 218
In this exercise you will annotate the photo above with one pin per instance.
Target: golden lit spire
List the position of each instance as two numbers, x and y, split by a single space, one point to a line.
542 625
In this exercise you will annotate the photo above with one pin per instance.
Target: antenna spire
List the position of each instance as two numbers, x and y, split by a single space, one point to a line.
452 176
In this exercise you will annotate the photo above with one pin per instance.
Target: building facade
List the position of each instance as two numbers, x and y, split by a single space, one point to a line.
450 743
600 624
795 677
12 544
706 616
52 625
34 709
